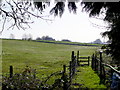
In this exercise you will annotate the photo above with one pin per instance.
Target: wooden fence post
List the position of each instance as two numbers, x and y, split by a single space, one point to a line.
100 64
104 74
70 72
78 58
72 56
64 69
64 78
93 62
97 65
11 71
74 64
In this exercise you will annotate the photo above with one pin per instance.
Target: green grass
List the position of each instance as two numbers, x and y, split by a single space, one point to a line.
44 57
88 78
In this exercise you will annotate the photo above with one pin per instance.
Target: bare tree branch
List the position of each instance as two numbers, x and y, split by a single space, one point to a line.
3 25
20 13
99 26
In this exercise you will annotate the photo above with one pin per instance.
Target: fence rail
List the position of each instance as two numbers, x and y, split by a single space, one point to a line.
82 59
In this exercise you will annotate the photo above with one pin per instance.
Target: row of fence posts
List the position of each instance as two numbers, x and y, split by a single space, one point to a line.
99 67
72 70
73 64
96 64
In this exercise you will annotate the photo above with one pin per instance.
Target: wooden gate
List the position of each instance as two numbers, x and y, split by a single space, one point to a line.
82 60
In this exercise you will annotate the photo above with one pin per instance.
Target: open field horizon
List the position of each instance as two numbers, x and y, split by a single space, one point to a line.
44 57
30 52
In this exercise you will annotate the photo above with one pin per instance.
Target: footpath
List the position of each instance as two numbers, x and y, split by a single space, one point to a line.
86 78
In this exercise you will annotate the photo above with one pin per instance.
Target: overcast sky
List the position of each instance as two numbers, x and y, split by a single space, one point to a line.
75 27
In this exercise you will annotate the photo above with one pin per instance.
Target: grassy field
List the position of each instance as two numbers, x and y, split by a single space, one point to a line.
44 57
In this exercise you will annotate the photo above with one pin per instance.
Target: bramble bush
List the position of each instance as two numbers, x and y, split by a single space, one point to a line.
21 81
27 80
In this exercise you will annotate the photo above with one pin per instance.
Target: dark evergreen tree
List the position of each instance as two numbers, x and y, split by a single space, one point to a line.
112 16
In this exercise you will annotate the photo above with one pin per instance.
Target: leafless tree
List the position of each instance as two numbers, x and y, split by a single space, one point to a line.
19 13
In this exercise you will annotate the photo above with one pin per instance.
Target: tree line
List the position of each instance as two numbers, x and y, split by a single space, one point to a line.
29 37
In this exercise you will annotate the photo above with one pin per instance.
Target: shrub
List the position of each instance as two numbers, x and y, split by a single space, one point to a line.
21 81
27 80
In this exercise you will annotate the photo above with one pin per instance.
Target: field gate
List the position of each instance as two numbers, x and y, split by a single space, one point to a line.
82 60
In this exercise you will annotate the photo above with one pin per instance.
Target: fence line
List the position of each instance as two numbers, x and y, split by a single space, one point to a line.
72 67
71 71
99 67
68 72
